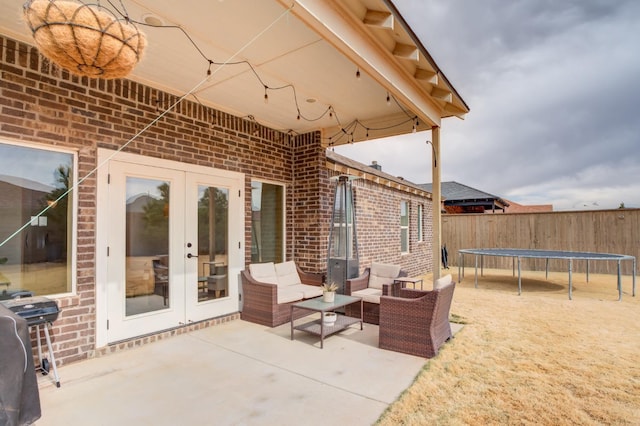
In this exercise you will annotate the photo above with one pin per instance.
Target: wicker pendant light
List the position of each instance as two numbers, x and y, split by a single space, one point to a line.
86 41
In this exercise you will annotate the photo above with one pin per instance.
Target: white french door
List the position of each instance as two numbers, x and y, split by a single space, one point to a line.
174 236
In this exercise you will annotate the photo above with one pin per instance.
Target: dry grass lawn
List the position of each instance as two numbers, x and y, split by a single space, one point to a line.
538 358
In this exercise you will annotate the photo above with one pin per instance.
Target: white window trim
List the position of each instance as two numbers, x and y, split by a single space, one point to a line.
402 227
73 238
420 223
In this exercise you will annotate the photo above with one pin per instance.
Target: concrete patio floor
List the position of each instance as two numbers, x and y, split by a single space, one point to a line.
236 373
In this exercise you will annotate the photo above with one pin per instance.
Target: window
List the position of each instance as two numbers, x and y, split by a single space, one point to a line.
404 226
267 222
37 220
420 232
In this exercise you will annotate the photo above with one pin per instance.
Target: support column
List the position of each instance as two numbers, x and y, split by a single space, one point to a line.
437 202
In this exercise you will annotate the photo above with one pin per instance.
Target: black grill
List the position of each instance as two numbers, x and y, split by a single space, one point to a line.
36 310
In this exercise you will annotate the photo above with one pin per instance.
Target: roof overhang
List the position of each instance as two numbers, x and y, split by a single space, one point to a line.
304 54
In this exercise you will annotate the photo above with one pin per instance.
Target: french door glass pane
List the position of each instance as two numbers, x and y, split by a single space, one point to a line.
147 245
213 219
36 221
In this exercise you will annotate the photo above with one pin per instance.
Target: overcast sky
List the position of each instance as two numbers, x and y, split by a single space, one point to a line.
554 92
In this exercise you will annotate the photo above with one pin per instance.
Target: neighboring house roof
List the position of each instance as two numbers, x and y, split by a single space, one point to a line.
466 197
26 183
531 208
348 166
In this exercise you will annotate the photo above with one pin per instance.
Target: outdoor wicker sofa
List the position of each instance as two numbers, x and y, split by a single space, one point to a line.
417 322
376 281
269 290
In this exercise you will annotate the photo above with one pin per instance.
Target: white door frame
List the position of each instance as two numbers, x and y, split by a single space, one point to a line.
234 181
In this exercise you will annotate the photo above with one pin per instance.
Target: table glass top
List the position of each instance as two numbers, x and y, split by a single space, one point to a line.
317 304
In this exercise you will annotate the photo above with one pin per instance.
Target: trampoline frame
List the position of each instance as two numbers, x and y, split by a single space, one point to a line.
543 254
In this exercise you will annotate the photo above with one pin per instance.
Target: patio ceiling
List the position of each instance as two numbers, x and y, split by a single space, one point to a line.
314 46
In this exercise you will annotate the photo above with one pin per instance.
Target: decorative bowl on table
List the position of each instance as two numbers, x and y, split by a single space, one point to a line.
329 318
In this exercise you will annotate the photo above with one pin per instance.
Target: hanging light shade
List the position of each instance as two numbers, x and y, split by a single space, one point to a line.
86 41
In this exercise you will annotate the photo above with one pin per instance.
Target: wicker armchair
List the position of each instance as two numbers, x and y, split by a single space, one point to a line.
417 322
376 281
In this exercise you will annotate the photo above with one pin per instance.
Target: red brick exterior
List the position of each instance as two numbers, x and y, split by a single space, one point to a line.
378 227
42 104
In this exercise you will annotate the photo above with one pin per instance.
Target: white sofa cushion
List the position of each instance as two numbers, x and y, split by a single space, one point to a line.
380 274
287 274
307 290
264 272
285 295
442 282
371 295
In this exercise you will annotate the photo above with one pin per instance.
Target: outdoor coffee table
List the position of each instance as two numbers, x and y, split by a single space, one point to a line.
317 327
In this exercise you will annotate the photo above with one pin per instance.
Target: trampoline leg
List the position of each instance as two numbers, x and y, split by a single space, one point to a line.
634 277
570 284
546 275
459 264
619 283
519 279
476 271
588 269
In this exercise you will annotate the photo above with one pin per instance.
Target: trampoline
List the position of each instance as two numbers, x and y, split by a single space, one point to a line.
545 254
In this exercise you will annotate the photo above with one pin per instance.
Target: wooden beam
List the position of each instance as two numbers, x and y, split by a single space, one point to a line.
436 189
406 51
427 76
377 19
451 109
442 94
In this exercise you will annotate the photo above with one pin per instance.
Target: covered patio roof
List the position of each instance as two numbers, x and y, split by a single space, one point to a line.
304 55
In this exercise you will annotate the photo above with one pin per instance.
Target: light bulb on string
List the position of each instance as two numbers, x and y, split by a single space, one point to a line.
358 73
388 99
266 96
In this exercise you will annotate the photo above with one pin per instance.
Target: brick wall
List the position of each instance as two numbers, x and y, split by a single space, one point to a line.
41 103
311 209
378 227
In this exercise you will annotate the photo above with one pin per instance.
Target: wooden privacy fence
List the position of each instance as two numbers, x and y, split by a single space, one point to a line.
598 231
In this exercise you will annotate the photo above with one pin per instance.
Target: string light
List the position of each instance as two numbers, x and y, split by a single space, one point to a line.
253 70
